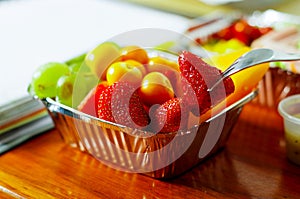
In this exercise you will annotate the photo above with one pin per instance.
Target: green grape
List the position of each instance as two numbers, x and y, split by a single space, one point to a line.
74 68
87 78
82 86
79 68
99 58
43 83
64 89
70 90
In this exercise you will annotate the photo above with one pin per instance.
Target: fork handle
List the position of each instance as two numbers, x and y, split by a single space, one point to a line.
283 56
255 57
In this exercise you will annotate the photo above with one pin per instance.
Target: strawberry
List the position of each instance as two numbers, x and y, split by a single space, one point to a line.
88 105
120 103
197 76
171 116
99 89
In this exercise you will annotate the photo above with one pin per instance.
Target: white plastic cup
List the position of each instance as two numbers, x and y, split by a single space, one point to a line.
289 109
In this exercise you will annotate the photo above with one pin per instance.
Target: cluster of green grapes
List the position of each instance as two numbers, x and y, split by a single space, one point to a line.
68 83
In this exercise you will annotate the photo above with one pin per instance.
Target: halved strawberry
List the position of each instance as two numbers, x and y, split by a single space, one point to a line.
171 116
120 103
197 77
89 104
102 86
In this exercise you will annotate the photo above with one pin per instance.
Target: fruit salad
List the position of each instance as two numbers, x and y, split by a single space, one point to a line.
147 89
154 93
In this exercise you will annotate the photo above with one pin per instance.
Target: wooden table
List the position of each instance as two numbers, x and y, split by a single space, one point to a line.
253 165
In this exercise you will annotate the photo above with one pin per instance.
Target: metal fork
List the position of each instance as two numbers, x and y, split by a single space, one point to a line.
255 57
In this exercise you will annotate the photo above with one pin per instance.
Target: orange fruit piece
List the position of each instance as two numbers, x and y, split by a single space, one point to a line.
135 53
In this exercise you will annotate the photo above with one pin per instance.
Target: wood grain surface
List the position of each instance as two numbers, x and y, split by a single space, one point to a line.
252 165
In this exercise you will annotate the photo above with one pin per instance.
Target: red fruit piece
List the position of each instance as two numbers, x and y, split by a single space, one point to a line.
171 116
99 89
89 104
197 77
120 103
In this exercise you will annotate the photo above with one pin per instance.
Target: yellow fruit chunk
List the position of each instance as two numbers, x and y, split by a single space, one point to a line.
245 81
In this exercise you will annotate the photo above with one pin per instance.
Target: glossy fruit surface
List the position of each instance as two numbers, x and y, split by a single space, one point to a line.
134 63
124 71
171 116
64 89
43 83
198 77
101 57
89 104
156 88
156 62
121 103
168 68
134 53
245 81
68 92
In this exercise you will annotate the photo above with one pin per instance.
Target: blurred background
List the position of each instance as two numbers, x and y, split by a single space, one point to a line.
34 32
195 8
